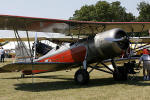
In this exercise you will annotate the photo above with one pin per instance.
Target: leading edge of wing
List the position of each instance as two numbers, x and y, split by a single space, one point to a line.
51 66
23 23
68 21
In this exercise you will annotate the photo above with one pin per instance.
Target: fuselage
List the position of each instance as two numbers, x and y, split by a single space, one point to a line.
102 46
99 47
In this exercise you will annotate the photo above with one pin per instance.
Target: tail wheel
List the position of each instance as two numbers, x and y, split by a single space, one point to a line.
81 77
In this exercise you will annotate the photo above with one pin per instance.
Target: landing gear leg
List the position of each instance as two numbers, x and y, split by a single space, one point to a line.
82 76
120 73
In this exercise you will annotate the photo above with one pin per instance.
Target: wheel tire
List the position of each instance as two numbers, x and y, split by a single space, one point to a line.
81 77
120 74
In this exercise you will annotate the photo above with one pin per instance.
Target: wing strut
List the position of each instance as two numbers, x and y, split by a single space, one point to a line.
31 58
20 43
79 31
100 68
104 27
35 43
30 52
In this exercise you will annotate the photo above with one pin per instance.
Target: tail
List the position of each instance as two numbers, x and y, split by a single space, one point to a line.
22 53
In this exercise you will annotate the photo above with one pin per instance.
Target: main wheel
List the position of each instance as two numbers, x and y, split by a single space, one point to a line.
81 76
120 74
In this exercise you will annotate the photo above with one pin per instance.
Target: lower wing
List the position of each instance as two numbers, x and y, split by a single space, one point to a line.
36 66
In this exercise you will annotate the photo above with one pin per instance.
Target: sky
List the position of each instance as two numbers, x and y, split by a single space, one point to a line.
59 9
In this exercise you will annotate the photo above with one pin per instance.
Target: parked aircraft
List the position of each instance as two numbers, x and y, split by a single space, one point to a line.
104 40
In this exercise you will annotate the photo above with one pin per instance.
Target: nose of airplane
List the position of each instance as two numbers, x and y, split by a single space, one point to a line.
112 42
122 39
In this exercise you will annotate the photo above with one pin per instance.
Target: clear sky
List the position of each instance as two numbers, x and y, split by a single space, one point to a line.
60 9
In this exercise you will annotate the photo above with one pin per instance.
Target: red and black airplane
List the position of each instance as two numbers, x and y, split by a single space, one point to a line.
102 41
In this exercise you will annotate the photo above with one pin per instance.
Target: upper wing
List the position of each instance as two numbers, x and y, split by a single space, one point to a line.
8 22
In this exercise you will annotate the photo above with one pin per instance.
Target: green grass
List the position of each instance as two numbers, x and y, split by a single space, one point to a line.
60 86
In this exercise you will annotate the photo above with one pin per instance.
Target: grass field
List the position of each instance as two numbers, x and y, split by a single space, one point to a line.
60 86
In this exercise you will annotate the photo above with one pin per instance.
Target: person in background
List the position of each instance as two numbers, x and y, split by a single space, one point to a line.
146 64
2 53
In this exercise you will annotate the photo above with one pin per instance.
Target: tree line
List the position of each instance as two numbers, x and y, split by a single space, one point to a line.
111 12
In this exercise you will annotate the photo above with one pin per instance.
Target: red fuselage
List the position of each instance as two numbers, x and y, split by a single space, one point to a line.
74 55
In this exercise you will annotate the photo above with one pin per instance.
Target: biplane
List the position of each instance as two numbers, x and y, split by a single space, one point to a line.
96 43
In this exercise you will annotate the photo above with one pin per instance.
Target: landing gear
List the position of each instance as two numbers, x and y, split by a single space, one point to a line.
120 74
81 76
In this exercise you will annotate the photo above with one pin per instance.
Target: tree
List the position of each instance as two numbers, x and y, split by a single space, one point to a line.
103 11
119 13
144 12
85 13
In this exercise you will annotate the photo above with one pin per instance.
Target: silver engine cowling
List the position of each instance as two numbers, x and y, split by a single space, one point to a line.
109 44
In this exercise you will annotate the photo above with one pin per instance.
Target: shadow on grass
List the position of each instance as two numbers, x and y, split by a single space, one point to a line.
68 83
